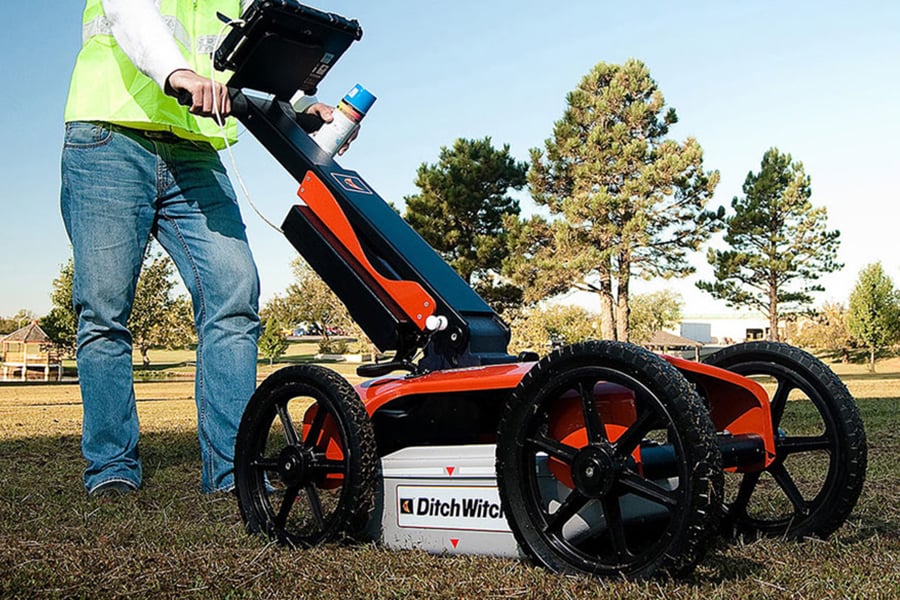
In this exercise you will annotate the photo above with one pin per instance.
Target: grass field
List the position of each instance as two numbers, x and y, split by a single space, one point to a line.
170 541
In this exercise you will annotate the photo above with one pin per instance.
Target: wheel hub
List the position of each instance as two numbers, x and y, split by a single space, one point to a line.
293 465
595 470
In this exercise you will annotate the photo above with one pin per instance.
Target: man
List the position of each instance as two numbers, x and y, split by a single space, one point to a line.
136 163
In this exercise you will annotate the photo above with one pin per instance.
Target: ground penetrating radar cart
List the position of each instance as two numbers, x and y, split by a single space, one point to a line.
599 458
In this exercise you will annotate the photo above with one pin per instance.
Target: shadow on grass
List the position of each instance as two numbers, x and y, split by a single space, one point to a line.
721 566
867 527
53 463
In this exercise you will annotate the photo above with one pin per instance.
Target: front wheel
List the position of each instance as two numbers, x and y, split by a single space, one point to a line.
820 446
305 458
607 463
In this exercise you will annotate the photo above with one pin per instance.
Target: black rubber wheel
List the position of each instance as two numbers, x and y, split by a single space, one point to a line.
585 506
820 446
305 458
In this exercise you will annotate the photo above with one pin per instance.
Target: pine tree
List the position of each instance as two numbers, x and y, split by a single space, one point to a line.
624 199
779 243
460 212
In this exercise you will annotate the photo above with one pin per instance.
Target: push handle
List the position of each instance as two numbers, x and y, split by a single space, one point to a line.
308 122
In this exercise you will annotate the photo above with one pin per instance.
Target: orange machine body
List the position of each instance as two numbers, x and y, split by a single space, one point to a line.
738 405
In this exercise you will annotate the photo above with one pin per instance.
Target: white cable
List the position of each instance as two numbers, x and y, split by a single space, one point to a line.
220 120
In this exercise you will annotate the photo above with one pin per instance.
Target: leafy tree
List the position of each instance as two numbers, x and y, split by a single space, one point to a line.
874 311
779 243
272 343
827 331
17 321
654 312
61 322
159 319
538 329
7 325
624 200
460 210
310 299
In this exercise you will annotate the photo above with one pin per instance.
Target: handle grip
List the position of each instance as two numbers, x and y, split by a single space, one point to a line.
185 98
309 122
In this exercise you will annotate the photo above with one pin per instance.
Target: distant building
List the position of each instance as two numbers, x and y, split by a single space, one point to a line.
29 350
665 342
725 329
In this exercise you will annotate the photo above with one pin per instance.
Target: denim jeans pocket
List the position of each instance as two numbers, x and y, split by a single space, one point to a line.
84 134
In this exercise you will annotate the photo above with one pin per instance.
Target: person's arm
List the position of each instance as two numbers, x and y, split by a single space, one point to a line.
142 34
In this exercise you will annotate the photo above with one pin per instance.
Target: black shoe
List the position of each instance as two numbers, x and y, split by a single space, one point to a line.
111 489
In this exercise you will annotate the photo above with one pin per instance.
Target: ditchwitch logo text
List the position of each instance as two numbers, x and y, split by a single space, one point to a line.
467 508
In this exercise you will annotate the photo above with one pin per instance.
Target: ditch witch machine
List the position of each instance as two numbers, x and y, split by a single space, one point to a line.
600 458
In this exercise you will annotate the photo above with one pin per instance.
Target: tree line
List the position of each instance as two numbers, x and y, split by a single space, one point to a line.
618 198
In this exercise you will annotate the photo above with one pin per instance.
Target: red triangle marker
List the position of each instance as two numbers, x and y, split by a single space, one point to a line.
454 541
450 470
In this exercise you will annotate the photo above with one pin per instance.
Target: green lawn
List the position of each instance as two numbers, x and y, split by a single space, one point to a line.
170 541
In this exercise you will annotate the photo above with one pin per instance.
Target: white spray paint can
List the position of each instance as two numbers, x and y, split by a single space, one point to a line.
332 136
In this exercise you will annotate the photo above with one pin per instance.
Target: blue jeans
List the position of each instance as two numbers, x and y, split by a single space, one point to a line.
120 186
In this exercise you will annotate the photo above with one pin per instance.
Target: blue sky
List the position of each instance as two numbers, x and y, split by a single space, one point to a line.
819 80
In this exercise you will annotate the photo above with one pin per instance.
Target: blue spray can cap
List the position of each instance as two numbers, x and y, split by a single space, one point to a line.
360 99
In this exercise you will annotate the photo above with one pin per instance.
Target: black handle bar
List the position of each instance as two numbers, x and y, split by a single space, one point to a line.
309 122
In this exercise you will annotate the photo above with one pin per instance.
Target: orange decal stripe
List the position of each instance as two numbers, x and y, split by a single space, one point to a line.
409 296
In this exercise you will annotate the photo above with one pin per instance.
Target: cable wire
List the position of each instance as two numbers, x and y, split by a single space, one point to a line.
220 121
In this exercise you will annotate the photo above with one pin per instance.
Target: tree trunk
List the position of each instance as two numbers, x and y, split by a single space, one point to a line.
773 313
623 310
872 359
607 317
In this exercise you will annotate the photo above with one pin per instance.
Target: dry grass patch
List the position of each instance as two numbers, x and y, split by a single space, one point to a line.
170 541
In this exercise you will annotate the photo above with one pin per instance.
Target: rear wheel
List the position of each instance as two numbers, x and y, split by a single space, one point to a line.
576 489
305 458
820 445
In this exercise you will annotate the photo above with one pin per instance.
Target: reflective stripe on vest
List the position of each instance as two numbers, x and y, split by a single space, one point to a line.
126 96
204 45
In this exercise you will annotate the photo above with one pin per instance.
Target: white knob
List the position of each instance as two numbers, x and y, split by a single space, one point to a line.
436 323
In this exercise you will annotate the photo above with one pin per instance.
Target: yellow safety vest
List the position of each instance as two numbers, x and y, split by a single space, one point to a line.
106 86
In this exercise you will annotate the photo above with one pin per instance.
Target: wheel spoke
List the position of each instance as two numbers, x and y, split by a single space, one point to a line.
738 508
635 433
574 502
793 445
328 466
595 430
315 428
290 434
265 464
290 495
315 504
787 485
612 511
554 448
779 400
645 488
